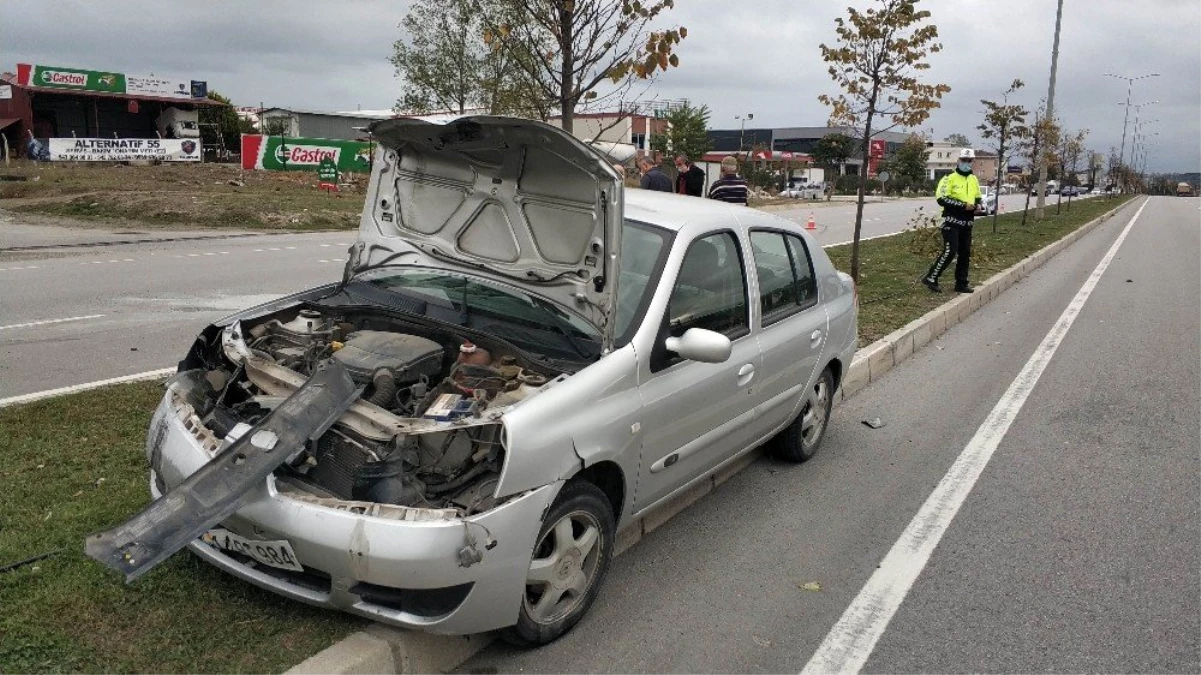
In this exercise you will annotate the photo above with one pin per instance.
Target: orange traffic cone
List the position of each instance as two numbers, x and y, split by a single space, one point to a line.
811 224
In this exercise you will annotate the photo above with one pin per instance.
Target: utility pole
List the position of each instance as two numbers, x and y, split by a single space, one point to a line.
1129 86
1042 160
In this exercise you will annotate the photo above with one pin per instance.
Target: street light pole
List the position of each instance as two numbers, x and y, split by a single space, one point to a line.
1129 86
1042 160
742 130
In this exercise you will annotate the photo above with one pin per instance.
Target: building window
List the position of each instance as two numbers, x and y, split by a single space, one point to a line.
638 140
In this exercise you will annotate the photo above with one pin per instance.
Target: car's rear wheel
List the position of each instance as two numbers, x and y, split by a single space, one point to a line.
570 560
801 439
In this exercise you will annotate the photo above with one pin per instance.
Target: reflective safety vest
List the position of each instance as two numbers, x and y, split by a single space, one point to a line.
958 187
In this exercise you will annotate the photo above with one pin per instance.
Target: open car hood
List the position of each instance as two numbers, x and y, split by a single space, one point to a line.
511 199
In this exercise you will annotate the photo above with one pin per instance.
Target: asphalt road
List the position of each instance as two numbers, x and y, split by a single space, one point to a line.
87 304
1076 550
77 314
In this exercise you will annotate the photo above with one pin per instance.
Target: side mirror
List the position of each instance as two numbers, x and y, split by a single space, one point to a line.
699 344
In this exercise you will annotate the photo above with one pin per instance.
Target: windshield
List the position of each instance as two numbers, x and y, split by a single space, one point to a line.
531 323
643 251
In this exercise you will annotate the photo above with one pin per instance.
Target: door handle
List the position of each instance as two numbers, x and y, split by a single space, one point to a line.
815 336
746 374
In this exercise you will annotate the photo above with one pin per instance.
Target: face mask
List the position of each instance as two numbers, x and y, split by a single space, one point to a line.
965 167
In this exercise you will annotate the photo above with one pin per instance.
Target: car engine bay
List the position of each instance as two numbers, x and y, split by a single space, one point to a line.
425 431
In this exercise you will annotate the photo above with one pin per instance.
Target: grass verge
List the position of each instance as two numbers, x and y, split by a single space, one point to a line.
73 466
194 195
889 268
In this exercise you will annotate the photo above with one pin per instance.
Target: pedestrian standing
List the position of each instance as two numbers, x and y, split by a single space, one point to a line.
652 177
730 187
959 196
691 179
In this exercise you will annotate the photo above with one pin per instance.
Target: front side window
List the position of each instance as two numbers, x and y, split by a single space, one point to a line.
643 251
710 291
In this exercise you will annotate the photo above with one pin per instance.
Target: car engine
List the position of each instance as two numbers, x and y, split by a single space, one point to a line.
425 432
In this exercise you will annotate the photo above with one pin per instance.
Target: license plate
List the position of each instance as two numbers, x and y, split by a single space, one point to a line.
274 553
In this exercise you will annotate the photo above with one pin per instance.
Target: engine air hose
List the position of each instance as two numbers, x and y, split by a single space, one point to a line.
385 389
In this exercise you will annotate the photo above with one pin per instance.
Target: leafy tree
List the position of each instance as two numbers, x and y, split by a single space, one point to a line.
909 161
275 126
833 150
1071 147
1003 122
222 126
568 49
446 66
959 139
687 133
876 63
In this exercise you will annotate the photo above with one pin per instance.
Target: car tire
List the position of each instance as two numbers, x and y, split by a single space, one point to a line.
564 580
800 440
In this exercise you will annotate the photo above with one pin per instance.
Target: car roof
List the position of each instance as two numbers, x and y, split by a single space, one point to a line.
682 213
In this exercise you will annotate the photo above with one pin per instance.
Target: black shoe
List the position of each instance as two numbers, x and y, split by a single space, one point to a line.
964 289
932 285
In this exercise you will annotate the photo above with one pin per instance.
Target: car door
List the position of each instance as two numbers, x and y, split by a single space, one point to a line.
697 414
793 324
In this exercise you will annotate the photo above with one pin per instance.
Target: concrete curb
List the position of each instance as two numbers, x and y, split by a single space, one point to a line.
381 649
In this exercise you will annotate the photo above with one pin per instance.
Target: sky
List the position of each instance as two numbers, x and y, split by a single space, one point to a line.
745 56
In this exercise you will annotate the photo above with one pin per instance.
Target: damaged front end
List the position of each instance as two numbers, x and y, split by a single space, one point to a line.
311 411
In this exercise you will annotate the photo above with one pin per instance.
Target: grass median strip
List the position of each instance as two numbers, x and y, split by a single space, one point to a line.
889 293
75 465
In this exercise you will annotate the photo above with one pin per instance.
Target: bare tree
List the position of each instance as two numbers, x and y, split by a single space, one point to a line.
876 61
572 49
1004 122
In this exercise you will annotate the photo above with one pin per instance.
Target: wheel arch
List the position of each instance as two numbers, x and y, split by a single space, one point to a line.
608 476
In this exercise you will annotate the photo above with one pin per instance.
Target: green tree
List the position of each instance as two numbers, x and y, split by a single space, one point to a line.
876 63
222 126
959 139
445 65
907 165
832 150
687 132
1003 122
569 49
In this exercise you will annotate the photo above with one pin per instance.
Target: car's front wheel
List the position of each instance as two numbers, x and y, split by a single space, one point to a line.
801 439
569 564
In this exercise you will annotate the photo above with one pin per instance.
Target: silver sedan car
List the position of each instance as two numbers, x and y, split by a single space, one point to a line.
521 359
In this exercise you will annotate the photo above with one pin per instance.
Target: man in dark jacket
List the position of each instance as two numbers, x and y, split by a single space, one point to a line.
730 187
652 177
691 179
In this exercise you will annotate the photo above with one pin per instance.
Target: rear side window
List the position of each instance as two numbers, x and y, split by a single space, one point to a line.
785 273
710 291
802 266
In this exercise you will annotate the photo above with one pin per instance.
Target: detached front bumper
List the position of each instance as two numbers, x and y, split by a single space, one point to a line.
401 572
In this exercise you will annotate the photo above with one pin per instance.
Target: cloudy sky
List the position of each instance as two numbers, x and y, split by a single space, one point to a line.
747 56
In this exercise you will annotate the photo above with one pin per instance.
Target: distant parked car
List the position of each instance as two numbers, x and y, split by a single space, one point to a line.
989 197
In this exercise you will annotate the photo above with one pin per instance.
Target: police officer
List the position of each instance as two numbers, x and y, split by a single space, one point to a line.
959 196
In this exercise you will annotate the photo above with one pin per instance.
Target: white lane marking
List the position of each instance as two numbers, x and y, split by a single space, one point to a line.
47 322
863 239
325 245
51 393
257 250
14 269
333 260
850 642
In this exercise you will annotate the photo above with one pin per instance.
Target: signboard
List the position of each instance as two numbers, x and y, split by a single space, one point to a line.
6 91
277 153
55 77
877 147
1013 169
124 149
327 175
158 86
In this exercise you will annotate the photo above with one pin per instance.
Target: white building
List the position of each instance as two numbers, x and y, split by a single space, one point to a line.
942 159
